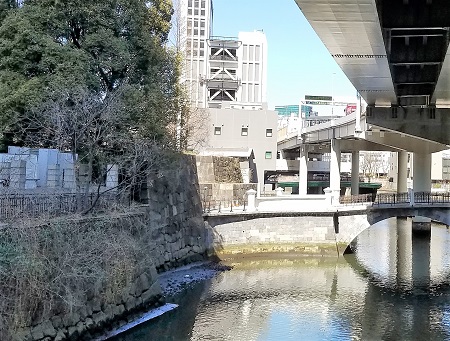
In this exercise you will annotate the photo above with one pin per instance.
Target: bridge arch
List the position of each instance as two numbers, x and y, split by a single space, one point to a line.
438 214
350 226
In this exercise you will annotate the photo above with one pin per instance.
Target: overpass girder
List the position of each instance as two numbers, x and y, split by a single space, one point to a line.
432 124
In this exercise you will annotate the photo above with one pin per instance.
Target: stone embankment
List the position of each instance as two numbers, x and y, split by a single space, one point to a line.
171 229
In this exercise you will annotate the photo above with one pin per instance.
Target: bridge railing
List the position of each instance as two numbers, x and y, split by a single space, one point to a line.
431 197
392 198
225 205
356 199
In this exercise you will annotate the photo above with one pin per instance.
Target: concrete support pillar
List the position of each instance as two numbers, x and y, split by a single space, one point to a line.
335 168
422 172
251 200
421 226
402 169
303 171
355 173
18 174
421 183
53 176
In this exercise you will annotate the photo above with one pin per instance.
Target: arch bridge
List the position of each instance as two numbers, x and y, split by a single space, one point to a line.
284 228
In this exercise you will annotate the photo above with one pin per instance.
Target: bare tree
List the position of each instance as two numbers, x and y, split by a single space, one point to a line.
373 164
98 134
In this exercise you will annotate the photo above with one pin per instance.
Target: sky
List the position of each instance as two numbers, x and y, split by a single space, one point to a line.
298 62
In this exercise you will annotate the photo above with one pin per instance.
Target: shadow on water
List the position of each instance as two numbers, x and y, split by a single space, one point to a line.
175 325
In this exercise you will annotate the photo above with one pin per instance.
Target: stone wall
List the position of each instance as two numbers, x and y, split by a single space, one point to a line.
175 217
305 235
223 169
173 231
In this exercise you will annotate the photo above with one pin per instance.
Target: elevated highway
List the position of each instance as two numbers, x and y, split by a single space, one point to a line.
395 53
356 135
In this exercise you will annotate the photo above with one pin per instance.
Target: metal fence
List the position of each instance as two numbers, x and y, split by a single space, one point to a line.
431 197
224 205
392 198
356 199
396 198
20 205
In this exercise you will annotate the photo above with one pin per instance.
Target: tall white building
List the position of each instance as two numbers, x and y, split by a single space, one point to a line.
220 72
253 67
237 75
194 30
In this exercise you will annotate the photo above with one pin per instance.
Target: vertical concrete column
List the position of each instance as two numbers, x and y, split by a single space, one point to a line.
303 171
53 176
402 169
335 169
422 172
355 173
17 174
421 183
251 199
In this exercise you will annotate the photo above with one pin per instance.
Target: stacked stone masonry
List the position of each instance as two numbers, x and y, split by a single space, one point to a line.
178 237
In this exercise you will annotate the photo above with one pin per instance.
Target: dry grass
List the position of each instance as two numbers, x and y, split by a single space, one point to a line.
54 268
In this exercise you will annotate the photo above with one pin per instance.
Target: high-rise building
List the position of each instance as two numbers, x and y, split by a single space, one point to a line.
237 71
220 72
195 21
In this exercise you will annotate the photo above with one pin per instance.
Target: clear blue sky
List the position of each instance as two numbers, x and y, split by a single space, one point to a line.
298 62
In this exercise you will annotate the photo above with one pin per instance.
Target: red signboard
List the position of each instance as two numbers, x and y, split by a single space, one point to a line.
350 109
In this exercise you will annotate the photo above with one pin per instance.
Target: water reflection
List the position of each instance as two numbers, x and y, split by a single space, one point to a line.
392 288
398 259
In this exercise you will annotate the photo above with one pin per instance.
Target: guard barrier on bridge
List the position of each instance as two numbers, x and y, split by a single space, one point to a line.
396 198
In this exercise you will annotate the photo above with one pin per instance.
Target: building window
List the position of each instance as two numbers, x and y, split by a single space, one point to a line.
244 131
268 155
268 132
217 130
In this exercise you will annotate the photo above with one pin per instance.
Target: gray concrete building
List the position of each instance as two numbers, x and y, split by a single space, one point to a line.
237 129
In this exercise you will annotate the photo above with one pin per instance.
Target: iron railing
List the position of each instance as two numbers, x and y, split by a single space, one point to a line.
392 198
224 205
32 205
431 197
397 198
356 199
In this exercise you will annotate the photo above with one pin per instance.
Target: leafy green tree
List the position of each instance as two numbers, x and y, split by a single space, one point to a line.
49 45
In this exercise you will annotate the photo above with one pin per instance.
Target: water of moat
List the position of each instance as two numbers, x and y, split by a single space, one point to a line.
395 287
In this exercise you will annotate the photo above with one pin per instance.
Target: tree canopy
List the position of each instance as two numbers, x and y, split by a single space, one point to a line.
52 46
